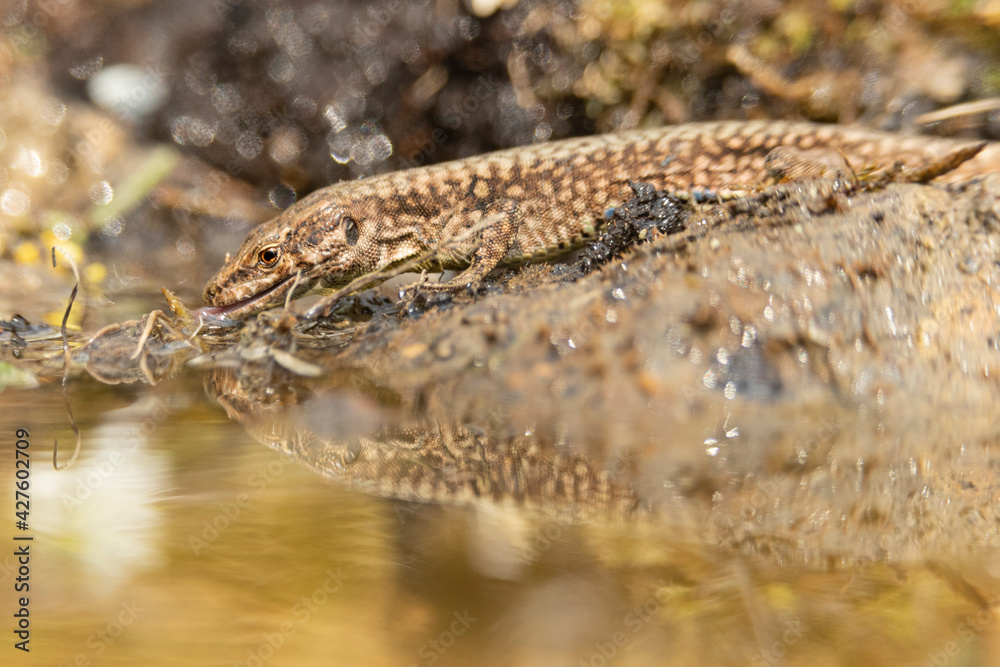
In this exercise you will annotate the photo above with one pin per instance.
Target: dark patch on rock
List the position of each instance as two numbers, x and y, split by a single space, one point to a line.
650 212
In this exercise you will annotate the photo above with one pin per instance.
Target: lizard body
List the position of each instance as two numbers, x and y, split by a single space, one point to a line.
532 203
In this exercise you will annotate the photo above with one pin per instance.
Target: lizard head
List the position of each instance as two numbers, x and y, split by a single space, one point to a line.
316 238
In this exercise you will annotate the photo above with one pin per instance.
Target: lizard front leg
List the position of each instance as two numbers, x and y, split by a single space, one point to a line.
481 240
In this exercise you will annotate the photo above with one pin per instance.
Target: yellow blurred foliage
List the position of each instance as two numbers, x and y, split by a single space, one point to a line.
95 273
27 253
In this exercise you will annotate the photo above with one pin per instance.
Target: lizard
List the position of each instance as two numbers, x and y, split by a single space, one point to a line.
537 202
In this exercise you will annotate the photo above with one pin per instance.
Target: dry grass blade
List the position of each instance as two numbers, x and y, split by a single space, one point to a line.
291 291
985 106
66 364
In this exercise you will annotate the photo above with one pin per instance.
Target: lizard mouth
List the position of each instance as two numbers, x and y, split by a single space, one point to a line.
247 306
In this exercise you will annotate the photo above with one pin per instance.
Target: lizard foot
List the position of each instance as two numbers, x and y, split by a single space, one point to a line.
418 302
423 295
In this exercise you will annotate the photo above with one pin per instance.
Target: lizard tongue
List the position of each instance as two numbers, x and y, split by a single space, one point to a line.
221 311
215 311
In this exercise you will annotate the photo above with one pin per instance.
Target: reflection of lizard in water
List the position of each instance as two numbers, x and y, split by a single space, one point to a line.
538 202
444 464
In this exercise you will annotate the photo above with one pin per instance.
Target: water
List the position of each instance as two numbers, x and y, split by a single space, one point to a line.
176 538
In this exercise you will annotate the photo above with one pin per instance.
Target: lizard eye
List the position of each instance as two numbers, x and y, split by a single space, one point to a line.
350 230
268 256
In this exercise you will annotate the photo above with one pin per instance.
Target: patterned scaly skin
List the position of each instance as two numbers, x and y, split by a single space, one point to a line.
530 204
